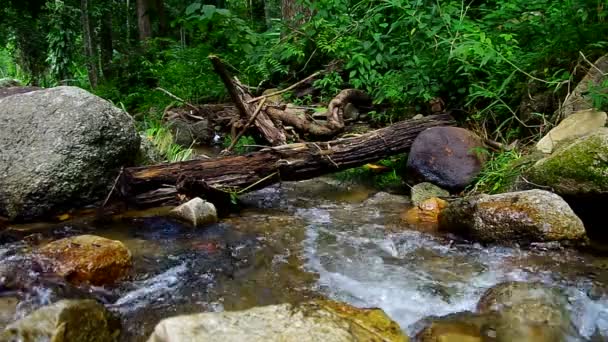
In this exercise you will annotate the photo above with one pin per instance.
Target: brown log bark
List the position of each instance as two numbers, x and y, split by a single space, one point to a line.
143 20
154 185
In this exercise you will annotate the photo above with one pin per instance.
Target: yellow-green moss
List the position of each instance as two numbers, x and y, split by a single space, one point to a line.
578 168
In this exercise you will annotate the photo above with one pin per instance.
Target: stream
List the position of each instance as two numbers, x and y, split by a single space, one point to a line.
305 240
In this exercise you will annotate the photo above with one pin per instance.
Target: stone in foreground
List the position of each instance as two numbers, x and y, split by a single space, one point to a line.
87 259
576 125
445 156
196 212
515 217
458 327
61 147
528 312
315 321
65 321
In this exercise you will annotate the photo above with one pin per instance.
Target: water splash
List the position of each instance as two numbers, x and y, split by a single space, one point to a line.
151 290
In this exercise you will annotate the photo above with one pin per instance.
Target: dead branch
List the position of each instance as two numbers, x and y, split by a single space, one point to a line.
286 89
240 96
238 136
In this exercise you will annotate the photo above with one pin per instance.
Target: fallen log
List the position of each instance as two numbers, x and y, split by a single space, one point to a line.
155 185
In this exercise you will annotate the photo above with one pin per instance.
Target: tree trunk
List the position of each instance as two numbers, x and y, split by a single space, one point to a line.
294 13
143 20
107 46
159 7
89 45
156 185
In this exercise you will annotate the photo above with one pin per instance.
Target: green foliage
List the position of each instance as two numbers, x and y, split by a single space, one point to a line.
499 172
61 37
8 68
599 95
242 146
162 139
371 175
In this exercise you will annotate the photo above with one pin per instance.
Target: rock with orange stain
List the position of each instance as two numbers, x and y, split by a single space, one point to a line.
520 217
426 214
448 157
87 259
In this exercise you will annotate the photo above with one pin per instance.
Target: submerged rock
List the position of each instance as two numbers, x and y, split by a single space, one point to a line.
507 312
459 327
423 191
528 312
446 156
313 321
197 212
425 214
65 321
515 217
576 125
61 147
87 259
8 310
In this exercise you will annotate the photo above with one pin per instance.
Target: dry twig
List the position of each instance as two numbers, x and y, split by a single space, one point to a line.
240 134
286 89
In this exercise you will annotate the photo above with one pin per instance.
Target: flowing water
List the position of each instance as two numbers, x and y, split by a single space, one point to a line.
313 239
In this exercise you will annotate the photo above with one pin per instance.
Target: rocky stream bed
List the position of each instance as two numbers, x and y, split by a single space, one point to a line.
301 241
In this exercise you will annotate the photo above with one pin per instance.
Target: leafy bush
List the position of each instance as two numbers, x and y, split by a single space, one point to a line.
385 173
162 139
499 172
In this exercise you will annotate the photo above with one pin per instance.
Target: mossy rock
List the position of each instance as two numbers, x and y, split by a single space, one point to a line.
515 217
65 321
579 168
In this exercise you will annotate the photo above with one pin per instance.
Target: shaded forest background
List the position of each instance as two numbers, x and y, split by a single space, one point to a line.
499 66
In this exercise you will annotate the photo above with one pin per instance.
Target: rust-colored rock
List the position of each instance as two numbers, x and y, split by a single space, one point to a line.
426 214
87 259
445 156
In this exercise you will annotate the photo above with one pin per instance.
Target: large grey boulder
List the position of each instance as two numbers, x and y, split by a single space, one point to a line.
515 217
315 321
61 147
507 312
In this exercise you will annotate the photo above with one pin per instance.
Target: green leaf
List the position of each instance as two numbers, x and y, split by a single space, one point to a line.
193 8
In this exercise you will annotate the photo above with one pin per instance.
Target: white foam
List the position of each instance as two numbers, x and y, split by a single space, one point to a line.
150 290
389 271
